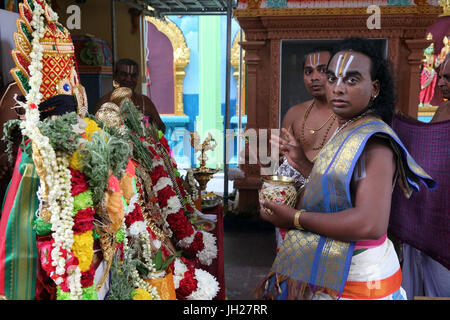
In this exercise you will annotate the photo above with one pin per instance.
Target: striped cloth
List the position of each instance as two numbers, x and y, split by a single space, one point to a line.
18 253
423 220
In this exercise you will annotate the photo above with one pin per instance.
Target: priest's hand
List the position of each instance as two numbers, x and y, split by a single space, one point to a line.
291 148
282 216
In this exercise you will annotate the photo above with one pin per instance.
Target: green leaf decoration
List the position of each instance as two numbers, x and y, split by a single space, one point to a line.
11 133
160 264
60 132
169 260
158 260
132 117
103 155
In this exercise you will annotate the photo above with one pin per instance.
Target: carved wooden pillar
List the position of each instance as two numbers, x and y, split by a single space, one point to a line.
415 57
248 185
252 60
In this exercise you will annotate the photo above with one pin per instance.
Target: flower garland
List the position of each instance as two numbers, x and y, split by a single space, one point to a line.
186 283
191 283
173 202
73 270
136 228
58 185
195 242
152 149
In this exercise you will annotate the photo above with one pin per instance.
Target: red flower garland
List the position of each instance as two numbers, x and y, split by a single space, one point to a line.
158 172
79 182
164 143
164 195
83 220
133 216
180 225
187 285
87 277
196 245
179 221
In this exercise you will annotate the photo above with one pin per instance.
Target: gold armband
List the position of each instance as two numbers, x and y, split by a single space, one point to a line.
297 219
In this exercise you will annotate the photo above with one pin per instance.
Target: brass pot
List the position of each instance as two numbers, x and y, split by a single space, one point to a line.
278 189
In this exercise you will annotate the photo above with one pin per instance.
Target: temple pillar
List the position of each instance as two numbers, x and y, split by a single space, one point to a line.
249 185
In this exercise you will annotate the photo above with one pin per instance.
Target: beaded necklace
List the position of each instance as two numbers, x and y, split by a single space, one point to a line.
313 131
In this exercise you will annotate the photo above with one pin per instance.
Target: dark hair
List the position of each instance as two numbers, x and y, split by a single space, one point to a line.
126 62
384 104
315 50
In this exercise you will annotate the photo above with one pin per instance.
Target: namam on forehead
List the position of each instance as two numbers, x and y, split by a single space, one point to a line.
129 69
349 64
316 59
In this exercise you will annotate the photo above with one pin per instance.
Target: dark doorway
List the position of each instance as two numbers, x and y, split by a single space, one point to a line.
292 89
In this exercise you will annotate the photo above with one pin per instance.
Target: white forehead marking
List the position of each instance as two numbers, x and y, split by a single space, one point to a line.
347 65
342 74
314 63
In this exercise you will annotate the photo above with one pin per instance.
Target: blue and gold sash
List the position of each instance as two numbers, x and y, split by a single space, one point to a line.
306 258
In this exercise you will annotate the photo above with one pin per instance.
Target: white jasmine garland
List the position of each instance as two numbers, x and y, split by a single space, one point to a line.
61 207
53 15
75 284
140 283
139 230
57 177
145 239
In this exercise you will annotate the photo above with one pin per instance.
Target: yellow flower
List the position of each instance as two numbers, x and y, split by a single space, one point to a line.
82 248
75 161
141 294
91 128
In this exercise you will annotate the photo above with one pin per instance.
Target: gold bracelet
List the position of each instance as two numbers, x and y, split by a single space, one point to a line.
297 219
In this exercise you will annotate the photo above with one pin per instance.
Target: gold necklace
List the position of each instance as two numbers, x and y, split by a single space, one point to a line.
308 111
339 129
302 133
362 115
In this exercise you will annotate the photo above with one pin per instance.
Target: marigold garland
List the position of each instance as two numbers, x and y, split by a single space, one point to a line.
141 294
83 249
75 161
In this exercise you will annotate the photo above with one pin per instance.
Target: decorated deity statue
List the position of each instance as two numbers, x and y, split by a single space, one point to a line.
88 192
428 77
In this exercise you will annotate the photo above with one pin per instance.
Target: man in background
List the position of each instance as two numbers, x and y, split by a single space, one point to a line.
126 73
